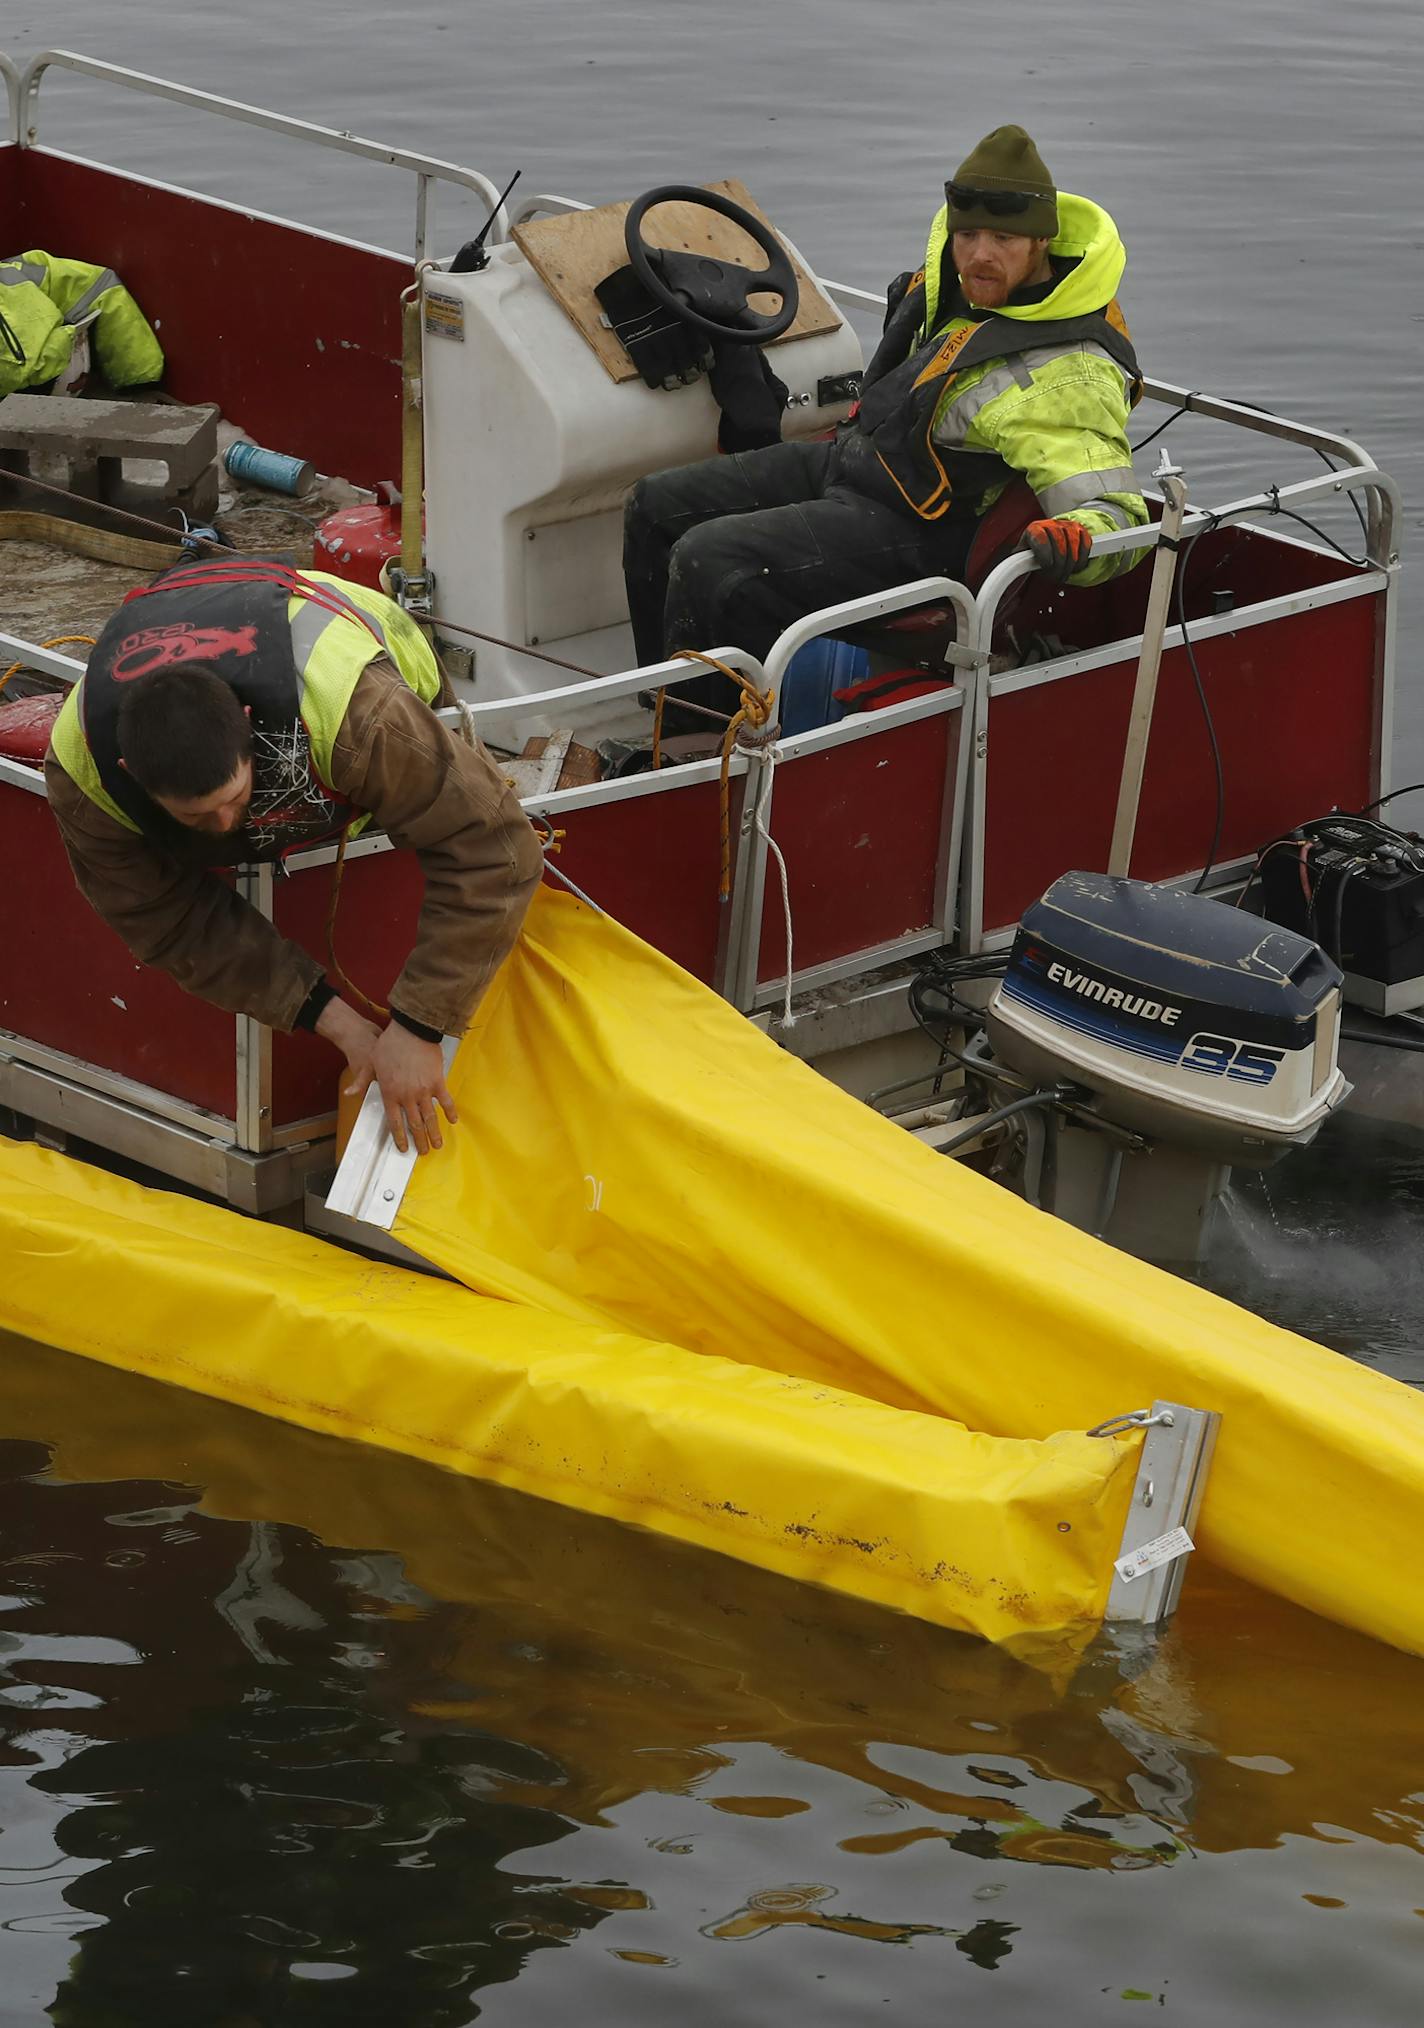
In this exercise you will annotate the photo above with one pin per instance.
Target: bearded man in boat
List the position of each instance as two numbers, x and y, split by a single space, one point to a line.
1004 357
235 711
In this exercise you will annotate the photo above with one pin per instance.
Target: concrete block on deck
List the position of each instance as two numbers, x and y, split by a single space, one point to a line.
93 440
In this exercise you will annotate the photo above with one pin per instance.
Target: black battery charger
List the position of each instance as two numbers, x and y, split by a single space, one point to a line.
1355 886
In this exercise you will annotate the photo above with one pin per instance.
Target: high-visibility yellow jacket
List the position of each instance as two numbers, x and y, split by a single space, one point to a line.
291 644
338 680
955 406
44 300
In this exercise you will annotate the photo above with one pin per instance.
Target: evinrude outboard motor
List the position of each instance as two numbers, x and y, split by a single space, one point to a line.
1206 1031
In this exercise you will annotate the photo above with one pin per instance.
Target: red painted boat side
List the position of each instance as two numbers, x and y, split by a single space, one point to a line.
654 861
862 829
11 211
68 982
1294 705
296 337
375 928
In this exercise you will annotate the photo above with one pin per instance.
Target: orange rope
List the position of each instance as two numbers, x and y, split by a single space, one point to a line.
59 641
754 709
658 729
334 963
550 838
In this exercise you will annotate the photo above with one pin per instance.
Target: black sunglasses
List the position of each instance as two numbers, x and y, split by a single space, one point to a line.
998 203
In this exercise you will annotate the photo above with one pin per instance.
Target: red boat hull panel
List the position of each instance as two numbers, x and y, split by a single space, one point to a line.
1294 706
655 862
297 338
68 982
862 828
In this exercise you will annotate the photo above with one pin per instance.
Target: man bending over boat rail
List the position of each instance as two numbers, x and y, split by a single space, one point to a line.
236 711
1005 356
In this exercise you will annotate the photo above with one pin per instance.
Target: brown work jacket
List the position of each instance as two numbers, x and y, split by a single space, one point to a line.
433 795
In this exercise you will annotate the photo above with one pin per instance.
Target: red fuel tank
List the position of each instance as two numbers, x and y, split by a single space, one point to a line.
25 726
356 541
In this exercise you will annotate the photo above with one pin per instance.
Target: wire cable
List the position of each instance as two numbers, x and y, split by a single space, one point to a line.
164 528
1380 801
334 965
1352 495
1176 416
983 1123
1413 1043
1259 408
250 505
1273 495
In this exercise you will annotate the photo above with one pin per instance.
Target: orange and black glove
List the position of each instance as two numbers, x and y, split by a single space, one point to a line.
1059 548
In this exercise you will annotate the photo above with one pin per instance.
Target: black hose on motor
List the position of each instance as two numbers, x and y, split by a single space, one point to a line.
1413 1043
934 1001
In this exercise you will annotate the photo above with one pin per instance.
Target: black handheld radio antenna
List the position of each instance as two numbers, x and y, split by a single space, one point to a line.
472 256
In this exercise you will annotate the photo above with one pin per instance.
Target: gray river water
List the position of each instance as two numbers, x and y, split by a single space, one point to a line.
291 1732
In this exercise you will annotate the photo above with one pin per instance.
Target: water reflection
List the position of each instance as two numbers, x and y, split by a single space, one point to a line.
359 1740
777 1907
266 1816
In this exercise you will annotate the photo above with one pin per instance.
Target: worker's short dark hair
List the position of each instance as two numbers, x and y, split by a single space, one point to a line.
182 731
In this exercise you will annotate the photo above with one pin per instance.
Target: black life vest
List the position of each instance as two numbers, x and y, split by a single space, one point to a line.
231 619
888 451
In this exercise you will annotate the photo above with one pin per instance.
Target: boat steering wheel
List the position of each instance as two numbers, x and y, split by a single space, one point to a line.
714 295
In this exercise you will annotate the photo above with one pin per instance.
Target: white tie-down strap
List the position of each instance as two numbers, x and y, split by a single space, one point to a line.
773 755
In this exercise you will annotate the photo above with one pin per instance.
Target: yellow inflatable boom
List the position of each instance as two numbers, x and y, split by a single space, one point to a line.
741 1309
1006 1537
657 1643
635 1156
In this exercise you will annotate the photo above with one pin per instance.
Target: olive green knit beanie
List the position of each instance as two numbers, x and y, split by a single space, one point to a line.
1003 186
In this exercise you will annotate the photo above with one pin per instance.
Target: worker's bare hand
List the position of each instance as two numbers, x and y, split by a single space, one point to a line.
355 1037
411 1074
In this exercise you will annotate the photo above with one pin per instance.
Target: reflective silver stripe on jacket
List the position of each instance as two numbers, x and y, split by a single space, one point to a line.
952 425
15 273
314 616
108 280
1086 489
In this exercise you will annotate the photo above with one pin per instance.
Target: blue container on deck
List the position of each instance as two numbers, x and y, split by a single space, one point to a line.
252 466
813 675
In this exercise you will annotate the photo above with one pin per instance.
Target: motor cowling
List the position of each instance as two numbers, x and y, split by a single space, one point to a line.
1188 1021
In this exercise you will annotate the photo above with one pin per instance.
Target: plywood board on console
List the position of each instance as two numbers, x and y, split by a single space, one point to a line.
575 251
